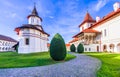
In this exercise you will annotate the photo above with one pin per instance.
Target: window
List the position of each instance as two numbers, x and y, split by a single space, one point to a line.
82 28
89 49
3 48
32 20
26 41
105 32
37 21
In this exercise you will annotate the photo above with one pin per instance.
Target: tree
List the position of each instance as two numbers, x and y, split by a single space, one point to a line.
58 48
72 48
80 48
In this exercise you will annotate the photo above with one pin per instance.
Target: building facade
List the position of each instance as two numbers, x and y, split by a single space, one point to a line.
101 34
32 37
6 43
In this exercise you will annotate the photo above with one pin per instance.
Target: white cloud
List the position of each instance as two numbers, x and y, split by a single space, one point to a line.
13 15
67 20
51 17
100 4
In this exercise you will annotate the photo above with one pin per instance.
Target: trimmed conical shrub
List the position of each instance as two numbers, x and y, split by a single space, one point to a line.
80 48
72 48
57 48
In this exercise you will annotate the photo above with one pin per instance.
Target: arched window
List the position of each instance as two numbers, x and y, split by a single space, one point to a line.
104 47
6 44
3 43
89 49
6 49
3 48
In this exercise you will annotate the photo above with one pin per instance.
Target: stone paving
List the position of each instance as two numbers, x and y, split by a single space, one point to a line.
81 66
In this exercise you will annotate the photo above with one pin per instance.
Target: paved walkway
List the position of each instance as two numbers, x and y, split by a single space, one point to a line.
81 66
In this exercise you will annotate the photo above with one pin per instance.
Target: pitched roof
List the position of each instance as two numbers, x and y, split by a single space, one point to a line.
90 31
6 38
34 13
87 31
74 40
87 18
67 45
30 26
110 15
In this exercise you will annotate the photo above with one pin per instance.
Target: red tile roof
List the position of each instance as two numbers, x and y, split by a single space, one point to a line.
87 31
67 45
107 17
74 40
90 31
48 44
87 18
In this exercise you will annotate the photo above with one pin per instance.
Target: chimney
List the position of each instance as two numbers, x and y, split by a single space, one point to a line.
116 6
97 19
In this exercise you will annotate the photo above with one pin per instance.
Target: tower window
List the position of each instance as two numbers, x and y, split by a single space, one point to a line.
26 41
82 28
37 21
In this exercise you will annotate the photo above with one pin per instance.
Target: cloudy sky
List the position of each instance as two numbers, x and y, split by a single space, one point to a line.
59 16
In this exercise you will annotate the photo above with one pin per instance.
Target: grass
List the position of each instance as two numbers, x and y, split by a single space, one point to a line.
110 64
13 59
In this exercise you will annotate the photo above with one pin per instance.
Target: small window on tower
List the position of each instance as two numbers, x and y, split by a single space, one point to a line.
26 41
82 28
37 21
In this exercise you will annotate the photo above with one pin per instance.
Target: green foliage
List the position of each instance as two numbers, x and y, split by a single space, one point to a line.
58 48
72 48
110 64
80 48
15 60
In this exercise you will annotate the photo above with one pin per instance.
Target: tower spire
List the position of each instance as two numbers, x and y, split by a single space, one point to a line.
34 12
34 4
87 9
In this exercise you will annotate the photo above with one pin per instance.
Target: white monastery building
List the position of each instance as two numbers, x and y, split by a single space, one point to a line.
32 37
7 43
102 34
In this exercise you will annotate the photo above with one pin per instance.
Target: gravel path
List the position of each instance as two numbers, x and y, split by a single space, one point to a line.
81 66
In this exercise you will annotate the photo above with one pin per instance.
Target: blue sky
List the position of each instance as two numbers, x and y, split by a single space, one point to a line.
59 16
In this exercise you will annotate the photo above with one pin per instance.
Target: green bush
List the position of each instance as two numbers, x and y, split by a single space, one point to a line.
80 48
58 48
72 48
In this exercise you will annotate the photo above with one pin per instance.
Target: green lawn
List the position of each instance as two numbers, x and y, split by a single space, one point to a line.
110 64
13 59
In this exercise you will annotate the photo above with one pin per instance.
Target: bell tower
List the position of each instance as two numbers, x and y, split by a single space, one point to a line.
32 37
34 18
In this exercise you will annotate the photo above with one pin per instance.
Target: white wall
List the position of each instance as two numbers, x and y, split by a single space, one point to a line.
113 31
34 20
38 41
86 25
6 45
